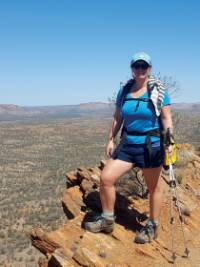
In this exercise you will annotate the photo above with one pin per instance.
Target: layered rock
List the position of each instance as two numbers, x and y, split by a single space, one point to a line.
71 245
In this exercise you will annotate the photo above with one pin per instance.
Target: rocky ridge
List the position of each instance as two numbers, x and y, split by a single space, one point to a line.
71 245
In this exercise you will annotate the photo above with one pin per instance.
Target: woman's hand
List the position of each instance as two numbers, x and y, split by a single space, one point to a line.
110 148
169 151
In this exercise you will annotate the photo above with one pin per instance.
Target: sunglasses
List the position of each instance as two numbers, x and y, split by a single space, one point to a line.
143 66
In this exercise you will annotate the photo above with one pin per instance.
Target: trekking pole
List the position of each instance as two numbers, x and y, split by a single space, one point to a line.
172 184
175 199
172 221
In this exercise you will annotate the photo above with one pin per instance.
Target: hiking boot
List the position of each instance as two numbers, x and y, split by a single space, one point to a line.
147 233
100 224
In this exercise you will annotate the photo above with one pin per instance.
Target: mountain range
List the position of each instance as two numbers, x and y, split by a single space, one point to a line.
12 111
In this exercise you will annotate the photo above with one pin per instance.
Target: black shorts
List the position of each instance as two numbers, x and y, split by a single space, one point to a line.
139 154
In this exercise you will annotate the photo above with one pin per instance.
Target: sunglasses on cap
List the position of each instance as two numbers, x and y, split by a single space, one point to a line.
143 66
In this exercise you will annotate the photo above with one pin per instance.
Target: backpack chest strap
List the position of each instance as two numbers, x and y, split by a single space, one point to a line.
137 99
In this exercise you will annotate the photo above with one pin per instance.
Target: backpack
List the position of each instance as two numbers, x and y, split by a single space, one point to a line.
155 85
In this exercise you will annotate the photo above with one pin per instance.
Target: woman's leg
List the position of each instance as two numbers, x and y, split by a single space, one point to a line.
112 171
154 183
155 186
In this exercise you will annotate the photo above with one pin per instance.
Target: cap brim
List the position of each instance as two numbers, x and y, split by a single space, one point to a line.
133 62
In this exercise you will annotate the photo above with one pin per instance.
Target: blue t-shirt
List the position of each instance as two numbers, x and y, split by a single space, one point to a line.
140 116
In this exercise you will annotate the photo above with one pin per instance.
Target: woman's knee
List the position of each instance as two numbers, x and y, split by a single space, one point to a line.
106 179
113 170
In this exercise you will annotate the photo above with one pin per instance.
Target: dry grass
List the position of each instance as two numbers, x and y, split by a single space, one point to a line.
34 155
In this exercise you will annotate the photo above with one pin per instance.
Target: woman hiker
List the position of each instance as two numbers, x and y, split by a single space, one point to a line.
143 111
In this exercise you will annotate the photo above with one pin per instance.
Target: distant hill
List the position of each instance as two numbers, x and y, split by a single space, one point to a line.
187 106
12 112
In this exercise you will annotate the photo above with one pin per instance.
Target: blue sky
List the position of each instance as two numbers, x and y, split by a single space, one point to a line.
71 52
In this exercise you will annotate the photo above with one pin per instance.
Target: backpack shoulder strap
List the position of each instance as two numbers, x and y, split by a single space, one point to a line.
126 88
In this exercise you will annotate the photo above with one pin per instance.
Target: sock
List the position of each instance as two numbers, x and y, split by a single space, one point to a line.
154 222
108 214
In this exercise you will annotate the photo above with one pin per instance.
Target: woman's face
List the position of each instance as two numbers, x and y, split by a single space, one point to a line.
141 69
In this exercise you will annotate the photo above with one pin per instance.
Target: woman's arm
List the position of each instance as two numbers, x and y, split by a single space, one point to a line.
116 124
166 118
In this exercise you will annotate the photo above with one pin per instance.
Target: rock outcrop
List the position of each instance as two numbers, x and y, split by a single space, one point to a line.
71 245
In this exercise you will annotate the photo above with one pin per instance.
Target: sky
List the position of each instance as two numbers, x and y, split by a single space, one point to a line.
73 51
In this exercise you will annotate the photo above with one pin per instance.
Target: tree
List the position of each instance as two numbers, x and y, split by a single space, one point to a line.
170 84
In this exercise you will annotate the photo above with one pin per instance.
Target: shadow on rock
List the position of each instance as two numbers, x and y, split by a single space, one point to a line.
126 216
